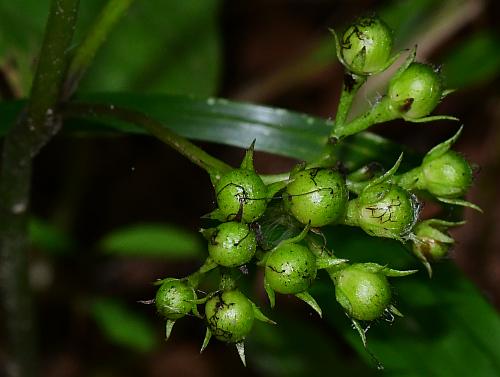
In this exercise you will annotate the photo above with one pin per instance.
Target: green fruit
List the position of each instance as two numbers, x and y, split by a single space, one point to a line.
290 268
363 295
415 92
317 196
174 299
384 210
230 316
241 191
232 244
366 46
446 176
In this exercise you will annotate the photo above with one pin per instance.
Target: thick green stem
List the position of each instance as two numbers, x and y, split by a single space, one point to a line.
195 154
228 279
350 87
379 113
38 123
112 12
410 180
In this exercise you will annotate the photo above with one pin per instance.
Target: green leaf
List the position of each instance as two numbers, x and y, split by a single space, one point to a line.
123 326
153 240
275 130
475 60
49 238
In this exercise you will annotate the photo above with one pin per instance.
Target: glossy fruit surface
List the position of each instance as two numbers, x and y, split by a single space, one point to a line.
415 92
317 196
386 210
290 268
366 45
447 176
229 316
363 295
241 191
174 299
232 244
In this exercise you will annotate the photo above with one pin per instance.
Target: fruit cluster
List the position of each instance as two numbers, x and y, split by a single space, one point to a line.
320 193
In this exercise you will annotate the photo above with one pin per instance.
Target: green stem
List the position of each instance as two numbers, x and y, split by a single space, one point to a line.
38 123
409 180
379 113
350 87
195 277
198 156
109 16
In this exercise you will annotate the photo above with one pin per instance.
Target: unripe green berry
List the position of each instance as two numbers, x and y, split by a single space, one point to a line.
232 244
366 46
241 190
174 299
363 295
230 316
384 210
447 176
290 268
317 196
415 92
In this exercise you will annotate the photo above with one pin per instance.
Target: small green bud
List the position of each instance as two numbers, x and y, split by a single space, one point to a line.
431 240
415 92
174 299
290 268
241 192
230 316
232 244
448 175
364 295
366 46
384 210
317 196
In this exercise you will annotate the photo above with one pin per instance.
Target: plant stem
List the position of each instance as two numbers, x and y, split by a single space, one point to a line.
112 12
198 156
38 123
350 87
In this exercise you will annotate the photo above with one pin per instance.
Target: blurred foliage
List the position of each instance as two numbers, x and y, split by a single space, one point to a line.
474 61
123 326
153 240
177 51
49 238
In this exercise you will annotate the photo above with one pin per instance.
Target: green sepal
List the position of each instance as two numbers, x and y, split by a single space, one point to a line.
395 311
275 187
460 202
409 59
168 328
215 215
431 118
361 331
261 316
359 60
421 257
295 239
309 300
207 233
240 347
384 270
215 175
329 261
247 162
337 47
447 92
443 147
387 175
208 336
270 293
196 312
